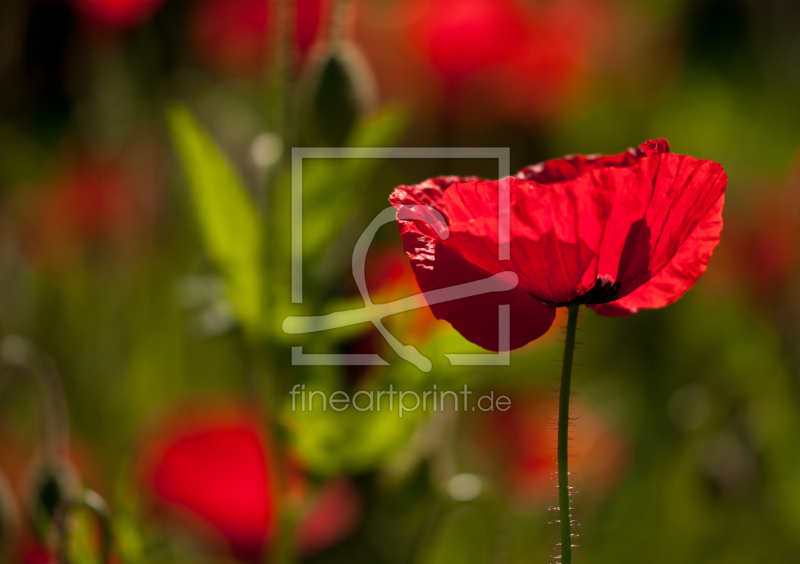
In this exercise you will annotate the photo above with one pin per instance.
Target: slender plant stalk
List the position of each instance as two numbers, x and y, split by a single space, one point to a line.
563 438
281 120
339 22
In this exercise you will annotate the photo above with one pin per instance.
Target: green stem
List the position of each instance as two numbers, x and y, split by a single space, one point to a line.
285 547
340 19
283 60
26 358
563 438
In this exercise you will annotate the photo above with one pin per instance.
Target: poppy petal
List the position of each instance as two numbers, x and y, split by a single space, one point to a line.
437 264
572 166
549 251
215 469
633 220
680 273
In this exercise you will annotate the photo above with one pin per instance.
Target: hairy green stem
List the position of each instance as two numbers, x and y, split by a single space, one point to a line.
565 519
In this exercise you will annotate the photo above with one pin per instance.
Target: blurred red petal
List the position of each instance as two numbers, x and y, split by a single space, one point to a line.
332 517
463 36
438 264
236 36
214 467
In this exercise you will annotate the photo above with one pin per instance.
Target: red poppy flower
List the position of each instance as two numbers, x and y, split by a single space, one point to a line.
619 233
235 36
117 13
211 470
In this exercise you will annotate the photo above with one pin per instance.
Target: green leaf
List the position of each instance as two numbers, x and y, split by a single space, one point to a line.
228 220
381 130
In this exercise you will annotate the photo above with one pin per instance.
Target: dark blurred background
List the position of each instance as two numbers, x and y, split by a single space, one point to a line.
154 281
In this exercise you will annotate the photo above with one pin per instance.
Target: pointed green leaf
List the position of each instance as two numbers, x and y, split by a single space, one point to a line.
229 223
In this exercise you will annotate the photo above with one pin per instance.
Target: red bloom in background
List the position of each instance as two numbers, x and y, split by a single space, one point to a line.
619 233
117 13
389 277
461 37
563 43
31 552
215 468
506 58
235 36
763 249
332 516
523 441
211 471
87 204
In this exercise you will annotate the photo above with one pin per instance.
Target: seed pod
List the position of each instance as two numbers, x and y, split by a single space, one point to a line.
50 484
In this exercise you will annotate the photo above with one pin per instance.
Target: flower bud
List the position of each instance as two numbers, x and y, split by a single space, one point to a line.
50 484
339 91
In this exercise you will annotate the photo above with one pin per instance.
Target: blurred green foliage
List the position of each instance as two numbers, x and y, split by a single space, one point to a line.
187 304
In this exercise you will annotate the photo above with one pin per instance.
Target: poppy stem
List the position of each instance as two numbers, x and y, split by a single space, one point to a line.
26 358
565 518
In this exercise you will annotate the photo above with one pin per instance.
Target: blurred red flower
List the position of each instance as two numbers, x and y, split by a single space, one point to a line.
461 37
31 552
522 441
235 36
763 245
562 46
619 233
87 203
211 470
117 13
389 277
330 517
487 59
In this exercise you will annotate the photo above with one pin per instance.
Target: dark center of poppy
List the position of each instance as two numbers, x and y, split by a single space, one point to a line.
604 290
